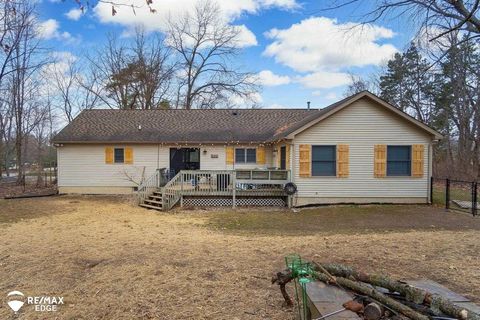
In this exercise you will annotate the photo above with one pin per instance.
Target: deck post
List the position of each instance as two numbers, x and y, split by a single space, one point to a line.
234 189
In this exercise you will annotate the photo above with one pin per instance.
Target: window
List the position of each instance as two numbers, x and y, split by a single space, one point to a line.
399 160
119 155
324 161
243 155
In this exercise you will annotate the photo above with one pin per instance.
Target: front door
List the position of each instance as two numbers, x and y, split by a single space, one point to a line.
283 158
184 159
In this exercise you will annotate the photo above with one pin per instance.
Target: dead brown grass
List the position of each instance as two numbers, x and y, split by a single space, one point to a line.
112 260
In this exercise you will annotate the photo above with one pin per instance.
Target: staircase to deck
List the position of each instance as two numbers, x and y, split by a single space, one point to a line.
154 201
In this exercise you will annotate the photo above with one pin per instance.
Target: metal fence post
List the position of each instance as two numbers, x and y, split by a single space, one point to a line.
447 194
431 190
474 198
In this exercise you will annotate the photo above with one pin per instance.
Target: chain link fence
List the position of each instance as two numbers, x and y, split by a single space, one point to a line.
455 195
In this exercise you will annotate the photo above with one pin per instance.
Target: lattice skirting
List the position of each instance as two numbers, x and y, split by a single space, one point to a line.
228 202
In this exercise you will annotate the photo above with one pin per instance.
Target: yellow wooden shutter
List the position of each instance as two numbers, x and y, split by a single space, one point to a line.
260 155
342 160
287 153
128 155
417 160
380 162
305 160
229 151
108 155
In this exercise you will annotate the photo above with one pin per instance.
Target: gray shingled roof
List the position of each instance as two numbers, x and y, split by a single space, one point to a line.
197 126
181 126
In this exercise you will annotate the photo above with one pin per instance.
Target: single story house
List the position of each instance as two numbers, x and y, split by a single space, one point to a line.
358 150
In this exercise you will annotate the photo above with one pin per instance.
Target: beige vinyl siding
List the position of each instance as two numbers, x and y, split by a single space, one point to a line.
84 165
361 126
209 163
82 168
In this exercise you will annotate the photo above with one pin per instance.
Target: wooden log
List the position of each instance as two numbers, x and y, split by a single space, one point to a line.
282 278
437 303
373 311
364 289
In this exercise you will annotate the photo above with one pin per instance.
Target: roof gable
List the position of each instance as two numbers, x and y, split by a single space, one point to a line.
336 107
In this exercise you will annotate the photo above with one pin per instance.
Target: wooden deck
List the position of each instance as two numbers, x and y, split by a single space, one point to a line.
215 183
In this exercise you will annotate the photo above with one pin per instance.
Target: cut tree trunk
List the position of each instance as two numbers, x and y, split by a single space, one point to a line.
367 290
373 311
436 302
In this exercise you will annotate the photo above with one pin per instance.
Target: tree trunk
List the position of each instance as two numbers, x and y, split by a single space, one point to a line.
18 150
367 290
282 278
419 296
373 311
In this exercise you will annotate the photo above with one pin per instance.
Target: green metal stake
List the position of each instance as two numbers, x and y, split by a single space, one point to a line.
303 282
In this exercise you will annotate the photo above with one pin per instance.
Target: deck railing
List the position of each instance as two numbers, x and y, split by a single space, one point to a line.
224 183
221 183
152 183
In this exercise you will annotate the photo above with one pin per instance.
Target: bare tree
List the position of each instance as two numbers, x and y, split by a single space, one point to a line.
358 84
439 16
24 83
133 5
133 76
206 46
73 92
6 128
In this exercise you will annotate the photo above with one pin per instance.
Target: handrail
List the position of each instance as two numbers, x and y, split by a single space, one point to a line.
151 184
171 193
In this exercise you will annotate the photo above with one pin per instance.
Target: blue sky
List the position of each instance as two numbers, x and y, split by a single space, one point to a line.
300 52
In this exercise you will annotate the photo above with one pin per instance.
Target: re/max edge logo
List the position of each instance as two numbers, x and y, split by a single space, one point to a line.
16 300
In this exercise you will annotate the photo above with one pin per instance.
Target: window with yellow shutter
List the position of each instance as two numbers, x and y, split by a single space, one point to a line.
119 155
324 161
399 160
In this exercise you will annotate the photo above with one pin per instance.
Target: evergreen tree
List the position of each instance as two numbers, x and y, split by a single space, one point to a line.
408 84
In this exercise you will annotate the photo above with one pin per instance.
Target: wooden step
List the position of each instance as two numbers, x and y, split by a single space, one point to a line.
154 201
159 193
155 197
150 206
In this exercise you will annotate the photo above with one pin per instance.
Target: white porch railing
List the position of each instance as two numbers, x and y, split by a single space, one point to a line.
221 183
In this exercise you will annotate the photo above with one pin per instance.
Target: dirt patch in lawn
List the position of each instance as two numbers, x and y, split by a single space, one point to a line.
112 260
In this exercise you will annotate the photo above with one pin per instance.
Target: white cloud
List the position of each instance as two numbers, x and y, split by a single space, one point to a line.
285 4
246 38
319 43
324 79
322 49
50 29
230 10
246 102
268 78
74 14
